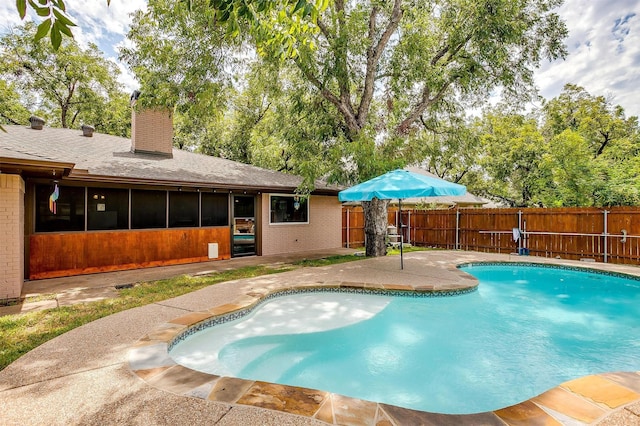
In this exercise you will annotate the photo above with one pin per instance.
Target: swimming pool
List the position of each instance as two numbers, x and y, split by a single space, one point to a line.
524 331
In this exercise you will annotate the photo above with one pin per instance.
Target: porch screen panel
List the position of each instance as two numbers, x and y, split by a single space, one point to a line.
215 209
148 209
66 214
183 209
107 208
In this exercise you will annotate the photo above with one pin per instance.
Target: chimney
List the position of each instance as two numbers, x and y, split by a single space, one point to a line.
87 130
151 130
36 122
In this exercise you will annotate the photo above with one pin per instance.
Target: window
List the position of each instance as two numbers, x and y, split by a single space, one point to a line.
107 209
215 209
65 214
183 209
148 209
289 209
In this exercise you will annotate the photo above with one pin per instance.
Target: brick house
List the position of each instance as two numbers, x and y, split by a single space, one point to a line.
76 202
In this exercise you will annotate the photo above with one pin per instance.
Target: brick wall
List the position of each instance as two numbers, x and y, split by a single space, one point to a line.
324 230
11 236
152 131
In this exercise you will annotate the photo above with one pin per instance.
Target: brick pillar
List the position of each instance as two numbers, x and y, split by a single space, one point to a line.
11 236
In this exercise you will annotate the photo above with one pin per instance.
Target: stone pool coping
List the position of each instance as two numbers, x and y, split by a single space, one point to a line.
585 400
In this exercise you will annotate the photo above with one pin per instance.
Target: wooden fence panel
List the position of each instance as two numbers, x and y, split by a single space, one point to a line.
623 246
569 233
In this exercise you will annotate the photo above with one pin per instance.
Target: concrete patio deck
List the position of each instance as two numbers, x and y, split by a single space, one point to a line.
84 376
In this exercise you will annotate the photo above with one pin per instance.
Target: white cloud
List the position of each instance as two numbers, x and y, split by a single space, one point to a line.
604 52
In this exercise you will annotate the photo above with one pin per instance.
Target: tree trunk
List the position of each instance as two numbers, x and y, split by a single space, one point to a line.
375 227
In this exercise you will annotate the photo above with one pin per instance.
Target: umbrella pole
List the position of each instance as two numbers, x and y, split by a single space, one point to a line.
401 234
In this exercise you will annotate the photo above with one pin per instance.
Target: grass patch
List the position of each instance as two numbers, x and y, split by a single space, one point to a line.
22 332
392 251
331 260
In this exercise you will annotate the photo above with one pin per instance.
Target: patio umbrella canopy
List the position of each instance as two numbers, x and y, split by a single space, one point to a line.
400 184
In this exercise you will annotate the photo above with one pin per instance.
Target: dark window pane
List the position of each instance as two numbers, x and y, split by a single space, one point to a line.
215 209
183 209
148 209
65 214
107 209
285 209
243 206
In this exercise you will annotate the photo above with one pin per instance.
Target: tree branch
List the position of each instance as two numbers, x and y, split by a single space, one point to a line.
425 102
340 53
347 113
374 52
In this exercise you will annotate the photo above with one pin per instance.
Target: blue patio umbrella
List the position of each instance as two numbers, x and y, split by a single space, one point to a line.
401 184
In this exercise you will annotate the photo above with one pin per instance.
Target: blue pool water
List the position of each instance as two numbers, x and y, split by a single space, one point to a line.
526 330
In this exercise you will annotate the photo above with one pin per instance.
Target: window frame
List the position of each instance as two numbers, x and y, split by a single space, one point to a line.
306 203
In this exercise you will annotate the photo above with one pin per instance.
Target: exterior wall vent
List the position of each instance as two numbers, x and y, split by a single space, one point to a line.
87 130
36 122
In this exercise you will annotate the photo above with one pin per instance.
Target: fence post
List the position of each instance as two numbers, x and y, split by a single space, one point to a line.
520 236
457 245
409 228
348 228
605 234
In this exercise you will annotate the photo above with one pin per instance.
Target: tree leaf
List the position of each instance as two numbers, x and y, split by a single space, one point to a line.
299 5
43 29
63 19
56 37
21 5
65 30
63 7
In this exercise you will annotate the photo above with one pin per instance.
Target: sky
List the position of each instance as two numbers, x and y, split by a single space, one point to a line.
603 44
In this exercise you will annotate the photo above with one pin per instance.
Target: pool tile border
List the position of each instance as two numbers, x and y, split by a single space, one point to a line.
584 400
552 266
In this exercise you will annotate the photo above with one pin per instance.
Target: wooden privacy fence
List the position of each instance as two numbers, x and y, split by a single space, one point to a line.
604 235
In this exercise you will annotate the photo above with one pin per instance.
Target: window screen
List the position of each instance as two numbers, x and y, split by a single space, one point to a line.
148 209
183 209
215 209
107 209
64 214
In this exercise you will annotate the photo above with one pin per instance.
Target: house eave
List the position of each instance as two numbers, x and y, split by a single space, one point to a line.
84 177
24 167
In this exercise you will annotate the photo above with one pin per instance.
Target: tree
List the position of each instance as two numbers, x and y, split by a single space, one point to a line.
70 86
384 65
600 123
12 111
569 167
374 69
513 150
610 138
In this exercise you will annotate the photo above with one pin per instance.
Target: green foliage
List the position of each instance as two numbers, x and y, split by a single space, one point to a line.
12 111
513 151
281 23
572 179
580 151
55 23
69 86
